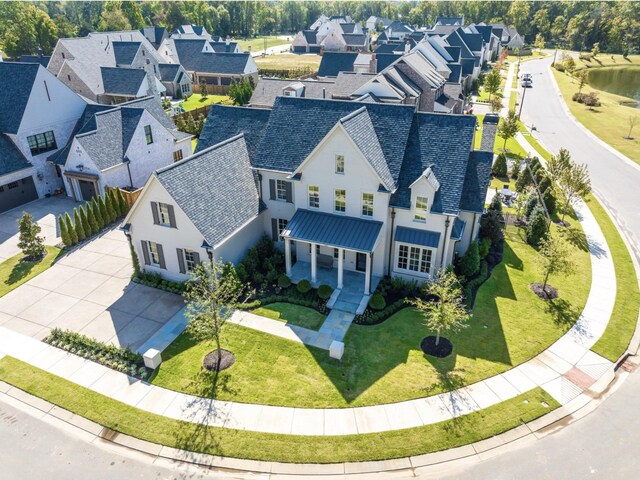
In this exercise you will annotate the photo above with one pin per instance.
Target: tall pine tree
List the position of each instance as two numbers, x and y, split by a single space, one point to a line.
64 233
95 226
77 224
73 236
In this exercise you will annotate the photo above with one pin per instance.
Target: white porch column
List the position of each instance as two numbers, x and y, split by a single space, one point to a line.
340 267
367 276
287 255
314 267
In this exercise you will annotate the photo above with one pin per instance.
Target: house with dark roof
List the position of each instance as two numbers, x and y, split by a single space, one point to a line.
332 63
37 118
176 80
204 64
119 147
123 84
374 23
39 58
360 190
331 34
192 32
155 35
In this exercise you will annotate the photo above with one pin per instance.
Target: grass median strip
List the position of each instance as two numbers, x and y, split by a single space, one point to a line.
275 447
14 272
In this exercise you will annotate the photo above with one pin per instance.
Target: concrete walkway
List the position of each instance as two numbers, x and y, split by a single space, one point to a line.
565 370
508 91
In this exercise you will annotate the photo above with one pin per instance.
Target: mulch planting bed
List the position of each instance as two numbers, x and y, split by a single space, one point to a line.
443 349
226 361
549 292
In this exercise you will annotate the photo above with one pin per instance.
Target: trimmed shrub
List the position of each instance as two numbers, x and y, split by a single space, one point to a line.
377 302
123 208
304 286
324 292
284 281
470 262
591 100
111 210
88 231
549 201
558 66
496 204
371 317
91 218
491 227
73 236
537 228
77 224
103 211
95 208
545 184
531 205
499 168
484 247
64 233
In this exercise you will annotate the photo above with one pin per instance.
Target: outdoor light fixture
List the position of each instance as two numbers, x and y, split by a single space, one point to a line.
209 250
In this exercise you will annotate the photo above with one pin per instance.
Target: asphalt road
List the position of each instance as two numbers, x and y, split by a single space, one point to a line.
616 182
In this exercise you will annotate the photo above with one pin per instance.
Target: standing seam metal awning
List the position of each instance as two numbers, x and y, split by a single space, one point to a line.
337 231
426 238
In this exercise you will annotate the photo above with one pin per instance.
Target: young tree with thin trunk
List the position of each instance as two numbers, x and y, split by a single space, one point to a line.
492 83
448 312
633 121
555 258
582 79
30 243
572 180
508 127
210 295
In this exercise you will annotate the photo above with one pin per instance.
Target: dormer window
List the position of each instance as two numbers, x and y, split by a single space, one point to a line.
340 164
289 93
420 214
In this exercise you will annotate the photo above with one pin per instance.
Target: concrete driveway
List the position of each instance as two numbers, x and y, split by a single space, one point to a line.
89 291
45 212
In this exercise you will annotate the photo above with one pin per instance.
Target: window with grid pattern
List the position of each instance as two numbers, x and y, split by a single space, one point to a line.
314 196
340 200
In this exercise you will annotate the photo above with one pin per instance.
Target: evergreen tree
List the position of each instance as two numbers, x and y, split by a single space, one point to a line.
531 205
77 224
122 204
499 168
73 236
537 228
496 204
470 261
30 243
191 125
64 233
111 210
200 123
103 210
95 207
93 221
88 231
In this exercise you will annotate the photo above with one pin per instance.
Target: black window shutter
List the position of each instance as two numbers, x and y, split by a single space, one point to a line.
154 211
181 260
172 216
196 257
289 192
161 255
274 229
145 253
272 189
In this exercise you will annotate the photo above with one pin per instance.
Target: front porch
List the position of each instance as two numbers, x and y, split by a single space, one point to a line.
352 282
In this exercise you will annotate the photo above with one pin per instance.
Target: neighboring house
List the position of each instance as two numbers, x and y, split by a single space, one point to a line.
192 32
78 62
38 117
226 46
124 84
361 187
201 62
332 63
331 34
509 36
396 32
446 25
374 23
119 147
39 58
176 80
155 35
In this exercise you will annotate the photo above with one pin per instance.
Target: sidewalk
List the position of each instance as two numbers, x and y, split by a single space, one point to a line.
565 370
508 91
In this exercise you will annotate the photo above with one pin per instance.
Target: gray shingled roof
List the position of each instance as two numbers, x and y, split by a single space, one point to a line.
11 159
332 63
355 39
476 182
168 71
339 231
125 52
359 127
193 59
16 82
122 81
310 36
222 47
215 188
41 59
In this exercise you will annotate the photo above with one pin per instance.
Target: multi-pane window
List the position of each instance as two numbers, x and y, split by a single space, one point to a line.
367 204
282 224
147 134
177 155
317 248
339 163
42 142
163 214
340 200
190 260
154 254
281 190
314 196
421 209
185 88
335 253
414 259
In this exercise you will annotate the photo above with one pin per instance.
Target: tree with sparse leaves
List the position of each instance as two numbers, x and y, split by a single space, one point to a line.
572 180
581 76
29 242
492 83
210 295
508 127
555 258
447 312
495 104
633 121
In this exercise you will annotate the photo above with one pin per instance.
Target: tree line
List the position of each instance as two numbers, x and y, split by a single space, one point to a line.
25 27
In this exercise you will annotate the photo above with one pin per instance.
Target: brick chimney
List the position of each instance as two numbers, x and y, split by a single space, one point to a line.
489 129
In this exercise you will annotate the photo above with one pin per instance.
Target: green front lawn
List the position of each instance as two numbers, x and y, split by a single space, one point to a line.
294 314
196 100
274 447
14 272
384 363
286 61
258 44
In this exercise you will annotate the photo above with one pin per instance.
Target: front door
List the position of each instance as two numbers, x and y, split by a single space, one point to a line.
87 190
361 262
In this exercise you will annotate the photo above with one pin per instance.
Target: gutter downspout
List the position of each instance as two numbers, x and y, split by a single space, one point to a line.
393 218
445 248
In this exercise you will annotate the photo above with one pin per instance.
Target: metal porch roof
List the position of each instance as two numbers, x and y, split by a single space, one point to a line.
426 238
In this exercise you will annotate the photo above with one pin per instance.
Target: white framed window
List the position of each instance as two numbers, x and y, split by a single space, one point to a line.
414 259
289 93
367 204
163 214
335 253
340 164
190 260
282 224
185 88
154 254
340 200
317 249
177 155
314 196
281 190
420 213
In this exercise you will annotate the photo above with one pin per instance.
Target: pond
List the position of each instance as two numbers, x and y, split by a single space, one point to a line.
623 81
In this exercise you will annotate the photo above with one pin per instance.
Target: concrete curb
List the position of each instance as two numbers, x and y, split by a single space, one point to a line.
578 408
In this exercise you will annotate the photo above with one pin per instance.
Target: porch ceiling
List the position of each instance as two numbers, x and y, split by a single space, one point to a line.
338 231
